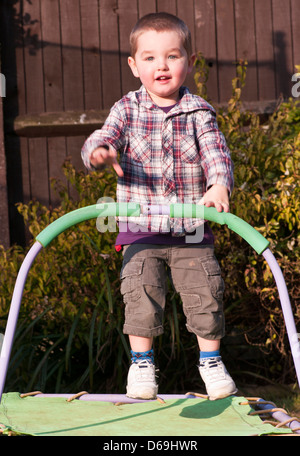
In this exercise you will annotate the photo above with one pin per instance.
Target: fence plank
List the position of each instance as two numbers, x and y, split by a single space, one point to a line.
295 15
169 6
57 153
185 10
283 47
205 42
91 54
13 69
72 68
245 45
146 7
33 60
38 162
74 145
109 38
52 57
265 50
35 102
127 13
71 55
16 149
226 47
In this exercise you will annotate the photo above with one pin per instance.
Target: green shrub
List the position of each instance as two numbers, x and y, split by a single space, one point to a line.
69 334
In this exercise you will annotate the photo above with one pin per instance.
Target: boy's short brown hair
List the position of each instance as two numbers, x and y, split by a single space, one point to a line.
160 22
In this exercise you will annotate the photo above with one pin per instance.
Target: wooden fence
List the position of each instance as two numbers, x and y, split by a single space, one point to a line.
65 63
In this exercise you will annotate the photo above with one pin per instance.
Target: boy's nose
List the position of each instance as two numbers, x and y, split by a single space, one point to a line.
162 64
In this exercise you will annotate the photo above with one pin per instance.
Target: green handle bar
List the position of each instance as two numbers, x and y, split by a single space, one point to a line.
236 224
257 241
86 213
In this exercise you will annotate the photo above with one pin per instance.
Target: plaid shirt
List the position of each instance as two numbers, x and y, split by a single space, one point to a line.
166 158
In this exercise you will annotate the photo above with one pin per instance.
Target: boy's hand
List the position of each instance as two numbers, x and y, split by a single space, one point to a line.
103 156
216 196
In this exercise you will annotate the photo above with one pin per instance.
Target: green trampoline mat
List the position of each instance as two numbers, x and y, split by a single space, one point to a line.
54 416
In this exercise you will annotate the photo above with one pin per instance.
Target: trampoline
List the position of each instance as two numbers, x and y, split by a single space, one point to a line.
115 415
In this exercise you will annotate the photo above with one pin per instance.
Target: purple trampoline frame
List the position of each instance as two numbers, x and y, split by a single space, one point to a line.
37 247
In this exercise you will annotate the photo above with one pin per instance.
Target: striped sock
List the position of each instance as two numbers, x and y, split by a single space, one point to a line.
142 356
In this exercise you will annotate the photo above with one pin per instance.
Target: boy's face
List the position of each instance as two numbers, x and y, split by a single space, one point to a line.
161 63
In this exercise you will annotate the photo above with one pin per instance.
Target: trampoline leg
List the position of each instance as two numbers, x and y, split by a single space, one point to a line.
286 309
14 312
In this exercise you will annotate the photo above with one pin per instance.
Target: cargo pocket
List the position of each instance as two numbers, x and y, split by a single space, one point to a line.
214 278
130 275
191 303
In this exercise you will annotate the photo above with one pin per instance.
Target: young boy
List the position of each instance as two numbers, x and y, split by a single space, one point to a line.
171 150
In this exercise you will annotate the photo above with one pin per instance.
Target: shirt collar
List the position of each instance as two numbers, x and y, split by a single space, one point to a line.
187 103
144 99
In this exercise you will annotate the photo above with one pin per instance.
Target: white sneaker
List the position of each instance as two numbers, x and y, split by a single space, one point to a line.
141 383
218 382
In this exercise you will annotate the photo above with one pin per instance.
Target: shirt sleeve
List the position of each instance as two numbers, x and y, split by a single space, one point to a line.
215 154
111 134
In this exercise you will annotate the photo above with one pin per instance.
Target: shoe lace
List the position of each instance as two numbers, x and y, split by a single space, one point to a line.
145 370
214 368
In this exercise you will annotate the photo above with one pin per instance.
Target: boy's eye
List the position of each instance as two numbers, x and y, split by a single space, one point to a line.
172 56
149 59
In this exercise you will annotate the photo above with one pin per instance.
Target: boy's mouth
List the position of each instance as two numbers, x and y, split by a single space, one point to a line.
162 78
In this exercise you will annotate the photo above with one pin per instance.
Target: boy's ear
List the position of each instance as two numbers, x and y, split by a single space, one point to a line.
131 63
191 63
